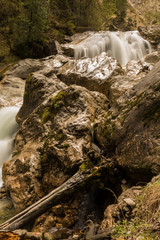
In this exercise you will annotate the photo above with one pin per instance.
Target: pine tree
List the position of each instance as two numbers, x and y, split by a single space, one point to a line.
31 25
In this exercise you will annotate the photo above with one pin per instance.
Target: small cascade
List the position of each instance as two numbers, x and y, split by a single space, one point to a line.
8 128
124 46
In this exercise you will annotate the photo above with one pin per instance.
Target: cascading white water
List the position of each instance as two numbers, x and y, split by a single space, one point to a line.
124 46
8 128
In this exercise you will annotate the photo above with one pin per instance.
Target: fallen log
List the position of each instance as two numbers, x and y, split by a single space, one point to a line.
41 206
77 181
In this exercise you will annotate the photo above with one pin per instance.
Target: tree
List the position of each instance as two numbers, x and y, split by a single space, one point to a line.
31 26
121 6
8 12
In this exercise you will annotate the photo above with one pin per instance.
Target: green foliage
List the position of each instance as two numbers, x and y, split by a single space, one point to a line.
108 130
27 25
147 215
65 146
152 16
121 6
136 228
30 27
4 70
109 9
85 14
58 97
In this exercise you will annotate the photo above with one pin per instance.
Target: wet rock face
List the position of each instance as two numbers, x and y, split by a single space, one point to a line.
92 73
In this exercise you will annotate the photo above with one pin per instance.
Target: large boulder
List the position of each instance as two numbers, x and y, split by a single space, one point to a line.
130 131
104 74
91 73
52 141
12 83
12 89
38 87
48 65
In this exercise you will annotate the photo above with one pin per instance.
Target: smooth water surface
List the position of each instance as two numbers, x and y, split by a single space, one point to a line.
124 46
8 128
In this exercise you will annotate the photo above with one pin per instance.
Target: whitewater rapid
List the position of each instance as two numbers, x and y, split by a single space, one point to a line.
8 128
124 46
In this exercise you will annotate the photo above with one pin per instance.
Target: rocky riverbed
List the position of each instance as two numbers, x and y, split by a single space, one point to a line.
77 114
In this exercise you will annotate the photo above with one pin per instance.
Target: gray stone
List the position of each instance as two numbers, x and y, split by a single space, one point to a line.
129 202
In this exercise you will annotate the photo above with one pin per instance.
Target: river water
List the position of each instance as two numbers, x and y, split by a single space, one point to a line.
124 46
8 128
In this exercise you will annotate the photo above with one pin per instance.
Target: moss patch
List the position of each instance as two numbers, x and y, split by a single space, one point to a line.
55 103
86 165
46 115
4 69
26 95
65 146
108 129
59 136
29 80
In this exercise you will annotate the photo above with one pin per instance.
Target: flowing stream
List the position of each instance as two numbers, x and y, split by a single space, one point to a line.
8 128
124 46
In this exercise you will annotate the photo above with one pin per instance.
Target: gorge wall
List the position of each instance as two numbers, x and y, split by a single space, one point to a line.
77 114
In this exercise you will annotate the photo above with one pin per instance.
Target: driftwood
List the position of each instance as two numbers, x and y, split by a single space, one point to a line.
102 236
39 207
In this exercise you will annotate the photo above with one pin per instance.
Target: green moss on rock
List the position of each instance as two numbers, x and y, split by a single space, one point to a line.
29 80
26 95
86 165
58 97
59 136
46 115
108 129
54 105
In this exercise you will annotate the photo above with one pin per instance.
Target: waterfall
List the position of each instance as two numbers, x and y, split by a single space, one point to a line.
8 128
124 46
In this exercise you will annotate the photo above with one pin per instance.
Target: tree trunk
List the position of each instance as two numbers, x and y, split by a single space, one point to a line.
77 181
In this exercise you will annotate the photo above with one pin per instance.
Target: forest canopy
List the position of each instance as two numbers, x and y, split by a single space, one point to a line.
26 23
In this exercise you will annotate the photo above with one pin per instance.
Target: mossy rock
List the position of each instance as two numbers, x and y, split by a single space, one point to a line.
54 105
